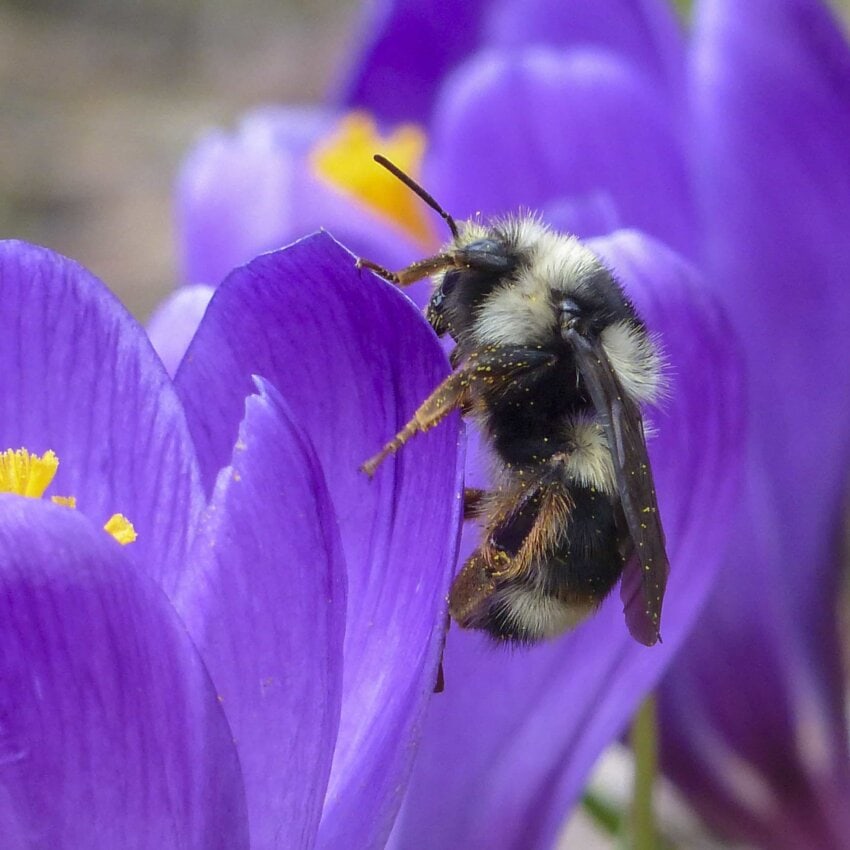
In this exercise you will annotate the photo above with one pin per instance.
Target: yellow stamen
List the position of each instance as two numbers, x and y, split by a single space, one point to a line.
30 475
26 474
121 529
344 160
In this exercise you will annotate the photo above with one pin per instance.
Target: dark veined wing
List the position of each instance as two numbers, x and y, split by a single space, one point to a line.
645 572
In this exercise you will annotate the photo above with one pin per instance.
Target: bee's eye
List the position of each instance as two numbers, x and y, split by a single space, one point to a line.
449 282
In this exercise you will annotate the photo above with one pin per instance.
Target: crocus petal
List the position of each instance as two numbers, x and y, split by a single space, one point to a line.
588 216
112 735
254 189
80 378
645 32
772 83
509 745
175 321
353 359
583 122
267 612
748 730
233 201
773 89
407 48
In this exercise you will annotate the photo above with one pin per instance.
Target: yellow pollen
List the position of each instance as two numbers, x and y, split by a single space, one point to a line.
29 475
344 160
120 528
26 474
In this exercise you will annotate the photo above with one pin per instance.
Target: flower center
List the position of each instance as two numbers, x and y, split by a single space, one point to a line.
344 160
30 475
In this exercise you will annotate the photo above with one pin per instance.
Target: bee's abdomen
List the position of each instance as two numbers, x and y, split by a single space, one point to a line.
521 612
558 593
588 563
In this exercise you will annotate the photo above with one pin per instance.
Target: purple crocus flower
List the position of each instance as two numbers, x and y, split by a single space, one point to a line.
730 148
251 670
754 710
254 189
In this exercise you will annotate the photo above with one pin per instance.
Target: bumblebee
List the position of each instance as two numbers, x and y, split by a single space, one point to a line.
553 364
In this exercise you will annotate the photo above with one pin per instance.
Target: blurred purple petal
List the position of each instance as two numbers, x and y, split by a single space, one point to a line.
233 201
748 729
509 745
175 321
643 32
82 379
352 358
267 613
408 48
582 122
111 732
772 86
587 216
404 50
773 94
254 189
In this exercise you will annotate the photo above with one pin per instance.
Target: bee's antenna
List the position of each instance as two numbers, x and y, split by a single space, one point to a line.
415 187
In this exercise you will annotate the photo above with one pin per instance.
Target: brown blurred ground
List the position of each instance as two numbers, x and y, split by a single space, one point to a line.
99 100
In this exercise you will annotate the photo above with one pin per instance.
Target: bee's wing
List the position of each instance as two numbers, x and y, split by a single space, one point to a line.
645 573
642 620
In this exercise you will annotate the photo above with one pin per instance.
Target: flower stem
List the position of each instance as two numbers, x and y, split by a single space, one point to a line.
607 816
684 8
644 741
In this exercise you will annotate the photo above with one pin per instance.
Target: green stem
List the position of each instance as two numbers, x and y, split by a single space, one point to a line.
644 741
683 7
605 815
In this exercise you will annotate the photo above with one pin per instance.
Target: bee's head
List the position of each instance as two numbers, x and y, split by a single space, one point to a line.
438 310
482 265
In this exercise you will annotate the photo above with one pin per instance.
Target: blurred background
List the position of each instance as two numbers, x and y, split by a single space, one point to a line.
100 99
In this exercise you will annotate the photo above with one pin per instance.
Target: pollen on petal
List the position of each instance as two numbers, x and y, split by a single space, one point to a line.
67 501
26 474
344 159
121 529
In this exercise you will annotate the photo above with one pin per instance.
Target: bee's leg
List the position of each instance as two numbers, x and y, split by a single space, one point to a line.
526 524
485 370
452 394
475 584
413 272
552 508
473 502
528 520
485 256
